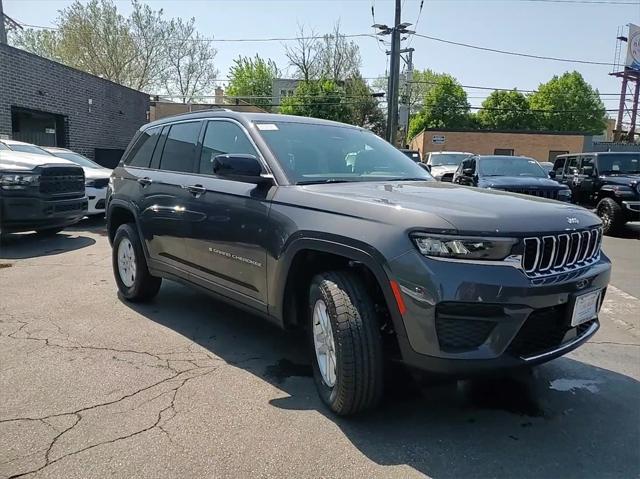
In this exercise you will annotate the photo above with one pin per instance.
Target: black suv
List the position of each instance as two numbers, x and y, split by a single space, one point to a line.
517 174
39 192
327 227
608 182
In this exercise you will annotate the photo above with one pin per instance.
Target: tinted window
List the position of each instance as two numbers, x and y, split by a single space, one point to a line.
179 152
317 153
619 163
586 168
140 154
572 164
36 150
223 137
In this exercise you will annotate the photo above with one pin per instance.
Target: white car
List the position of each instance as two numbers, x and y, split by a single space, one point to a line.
96 176
443 164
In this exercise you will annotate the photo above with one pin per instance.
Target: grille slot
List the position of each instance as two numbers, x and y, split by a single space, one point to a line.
559 253
550 194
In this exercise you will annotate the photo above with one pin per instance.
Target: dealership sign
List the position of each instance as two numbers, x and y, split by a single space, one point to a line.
633 47
438 139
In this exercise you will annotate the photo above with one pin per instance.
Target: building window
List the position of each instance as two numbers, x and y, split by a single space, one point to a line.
503 151
283 93
554 153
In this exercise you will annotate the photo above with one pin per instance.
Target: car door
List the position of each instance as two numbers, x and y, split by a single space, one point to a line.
585 180
467 179
165 216
228 245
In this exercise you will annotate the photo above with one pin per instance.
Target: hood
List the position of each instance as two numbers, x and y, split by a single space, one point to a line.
431 204
519 182
442 169
622 179
96 173
18 161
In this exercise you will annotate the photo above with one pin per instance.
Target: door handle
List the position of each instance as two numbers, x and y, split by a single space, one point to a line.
196 190
146 181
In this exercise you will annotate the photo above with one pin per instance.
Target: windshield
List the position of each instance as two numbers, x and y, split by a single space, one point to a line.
511 166
30 149
453 159
312 153
618 164
77 159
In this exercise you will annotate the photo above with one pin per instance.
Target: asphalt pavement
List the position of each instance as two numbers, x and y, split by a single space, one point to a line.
185 386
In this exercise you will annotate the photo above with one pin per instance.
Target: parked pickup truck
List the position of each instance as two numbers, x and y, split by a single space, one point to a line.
608 182
39 194
326 227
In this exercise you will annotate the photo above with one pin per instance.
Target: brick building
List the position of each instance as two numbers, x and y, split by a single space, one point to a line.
47 103
542 146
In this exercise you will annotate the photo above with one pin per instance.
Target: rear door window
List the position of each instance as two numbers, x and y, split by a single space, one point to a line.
140 154
586 166
179 153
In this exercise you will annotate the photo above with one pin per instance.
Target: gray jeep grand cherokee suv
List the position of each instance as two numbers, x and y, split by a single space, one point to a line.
325 226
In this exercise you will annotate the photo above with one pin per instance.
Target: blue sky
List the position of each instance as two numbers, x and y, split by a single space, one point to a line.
568 30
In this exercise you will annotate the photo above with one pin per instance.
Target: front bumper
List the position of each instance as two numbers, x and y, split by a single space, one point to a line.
25 213
462 319
97 199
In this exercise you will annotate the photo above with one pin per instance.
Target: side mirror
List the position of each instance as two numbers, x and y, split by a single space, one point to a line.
424 166
467 171
239 167
552 174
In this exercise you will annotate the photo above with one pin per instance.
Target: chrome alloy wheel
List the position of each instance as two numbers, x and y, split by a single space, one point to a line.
324 344
126 262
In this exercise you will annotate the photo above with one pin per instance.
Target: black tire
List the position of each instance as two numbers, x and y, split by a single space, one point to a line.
144 286
358 345
611 215
49 231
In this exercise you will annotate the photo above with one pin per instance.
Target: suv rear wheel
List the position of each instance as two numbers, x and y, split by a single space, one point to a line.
130 266
611 215
348 365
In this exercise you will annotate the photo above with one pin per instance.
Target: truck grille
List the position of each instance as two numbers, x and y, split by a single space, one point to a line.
551 194
62 181
547 255
545 330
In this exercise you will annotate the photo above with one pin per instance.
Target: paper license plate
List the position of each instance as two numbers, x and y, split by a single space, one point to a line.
585 308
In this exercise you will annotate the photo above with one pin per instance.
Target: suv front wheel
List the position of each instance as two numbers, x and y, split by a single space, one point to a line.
130 266
611 215
348 365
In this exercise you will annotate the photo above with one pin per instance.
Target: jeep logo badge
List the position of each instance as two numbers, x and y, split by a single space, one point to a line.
573 221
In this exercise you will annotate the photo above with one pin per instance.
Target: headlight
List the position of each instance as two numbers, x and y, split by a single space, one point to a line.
18 181
90 183
622 190
564 195
474 248
638 187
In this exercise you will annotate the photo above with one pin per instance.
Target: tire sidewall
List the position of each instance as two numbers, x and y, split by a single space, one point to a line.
328 394
606 207
127 231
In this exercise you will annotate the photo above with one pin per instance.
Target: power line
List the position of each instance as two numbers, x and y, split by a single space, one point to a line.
586 2
506 52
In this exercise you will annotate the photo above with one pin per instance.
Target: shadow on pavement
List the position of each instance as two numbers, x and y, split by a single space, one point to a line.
629 231
567 419
32 245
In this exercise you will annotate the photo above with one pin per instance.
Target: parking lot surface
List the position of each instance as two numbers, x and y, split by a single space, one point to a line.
185 386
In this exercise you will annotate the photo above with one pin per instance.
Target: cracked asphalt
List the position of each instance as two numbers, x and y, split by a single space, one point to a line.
91 386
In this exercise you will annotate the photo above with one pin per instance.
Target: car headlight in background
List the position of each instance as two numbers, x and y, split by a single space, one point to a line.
472 248
622 190
18 181
90 183
638 187
564 195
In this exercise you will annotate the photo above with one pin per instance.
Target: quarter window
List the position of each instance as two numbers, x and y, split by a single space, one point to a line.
140 154
179 152
572 165
586 168
221 138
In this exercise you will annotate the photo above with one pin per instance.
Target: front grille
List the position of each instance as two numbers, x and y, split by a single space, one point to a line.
70 207
62 180
545 330
464 327
551 194
552 254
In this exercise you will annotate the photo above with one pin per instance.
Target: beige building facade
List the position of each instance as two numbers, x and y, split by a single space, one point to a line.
542 146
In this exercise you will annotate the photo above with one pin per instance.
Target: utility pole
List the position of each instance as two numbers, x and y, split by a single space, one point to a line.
3 31
394 75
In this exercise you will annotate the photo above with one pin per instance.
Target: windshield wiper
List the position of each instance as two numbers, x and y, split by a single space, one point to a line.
323 181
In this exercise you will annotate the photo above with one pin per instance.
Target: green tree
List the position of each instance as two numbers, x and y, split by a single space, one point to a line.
318 99
445 106
568 103
506 110
252 77
365 111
